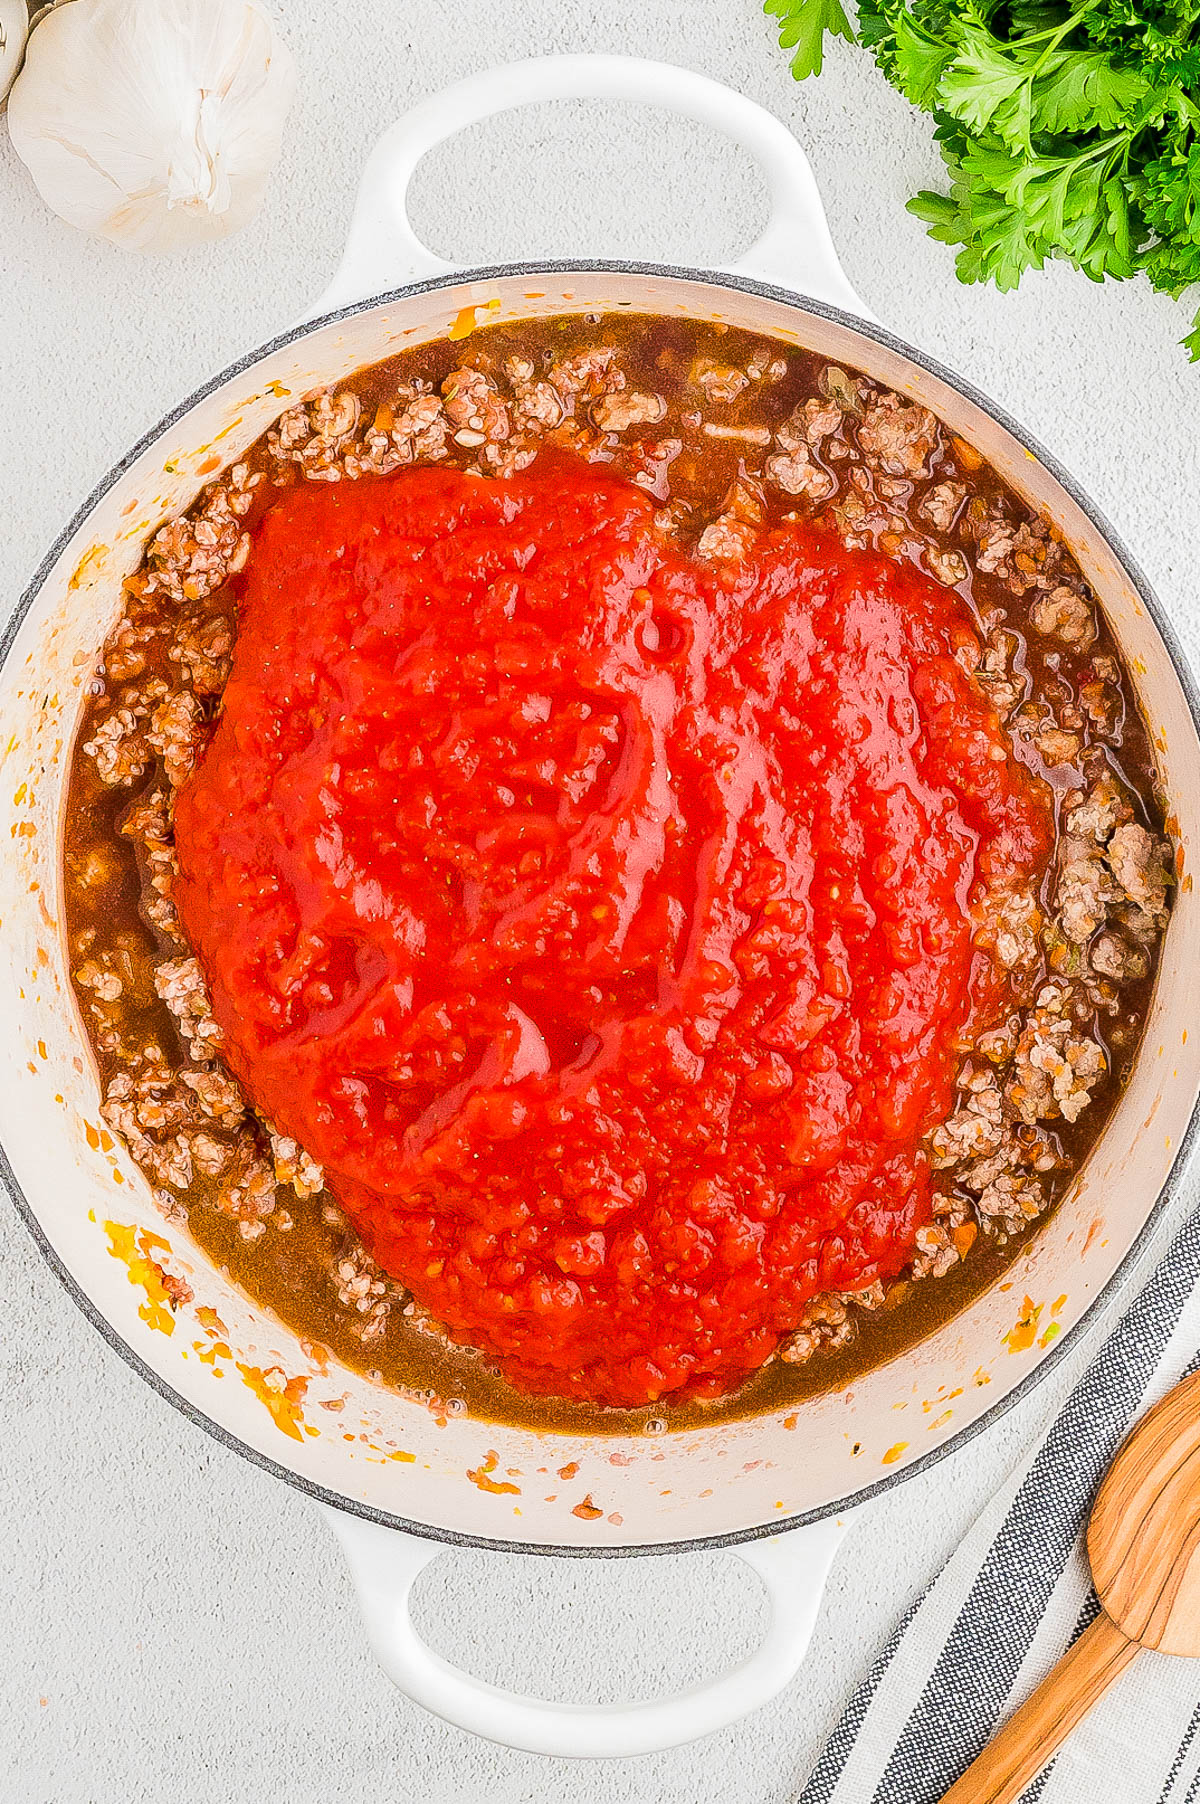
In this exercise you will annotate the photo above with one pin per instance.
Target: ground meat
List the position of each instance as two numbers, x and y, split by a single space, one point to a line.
792 467
869 465
594 371
124 653
473 406
828 1322
970 1132
218 1097
995 542
160 1115
1110 870
995 675
936 1252
727 540
1057 746
1084 887
618 412
1140 865
941 504
333 417
119 747
949 567
364 1291
744 435
536 405
795 473
180 984
1006 1192
104 983
190 558
720 381
1055 1068
201 647
1096 814
294 1166
821 419
1113 956
246 1191
1010 928
735 533
176 731
898 438
1064 614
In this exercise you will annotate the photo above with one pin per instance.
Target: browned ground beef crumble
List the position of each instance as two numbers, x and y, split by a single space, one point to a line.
730 434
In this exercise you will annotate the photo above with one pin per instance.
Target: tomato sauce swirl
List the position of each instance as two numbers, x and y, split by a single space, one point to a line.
600 919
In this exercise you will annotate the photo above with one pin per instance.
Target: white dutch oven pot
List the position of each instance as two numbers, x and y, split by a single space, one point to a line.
397 1480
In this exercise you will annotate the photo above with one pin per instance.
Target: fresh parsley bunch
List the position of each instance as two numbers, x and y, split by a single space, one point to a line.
1068 130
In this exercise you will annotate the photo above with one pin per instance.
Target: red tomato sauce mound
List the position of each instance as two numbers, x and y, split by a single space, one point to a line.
598 920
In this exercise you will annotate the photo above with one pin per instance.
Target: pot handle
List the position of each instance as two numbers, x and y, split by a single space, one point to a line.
383 252
384 1564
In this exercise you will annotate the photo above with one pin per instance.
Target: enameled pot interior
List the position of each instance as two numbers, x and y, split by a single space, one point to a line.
243 1374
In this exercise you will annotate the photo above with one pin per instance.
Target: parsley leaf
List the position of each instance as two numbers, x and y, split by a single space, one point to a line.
986 88
919 60
1100 240
802 28
1021 90
1084 90
1191 342
997 245
1069 128
1169 188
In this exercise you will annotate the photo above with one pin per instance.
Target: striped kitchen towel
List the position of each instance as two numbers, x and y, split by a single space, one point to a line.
1014 1595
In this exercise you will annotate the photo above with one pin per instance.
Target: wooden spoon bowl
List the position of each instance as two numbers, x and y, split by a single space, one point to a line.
1143 1543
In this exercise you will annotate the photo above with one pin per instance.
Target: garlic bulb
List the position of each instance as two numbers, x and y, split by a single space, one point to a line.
153 123
14 25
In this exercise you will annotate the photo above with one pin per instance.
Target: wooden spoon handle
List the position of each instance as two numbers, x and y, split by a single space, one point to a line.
1031 1736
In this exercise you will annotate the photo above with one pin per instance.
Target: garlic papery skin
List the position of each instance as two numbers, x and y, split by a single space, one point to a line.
14 27
153 123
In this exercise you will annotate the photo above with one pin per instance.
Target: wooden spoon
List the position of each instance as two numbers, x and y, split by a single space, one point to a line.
1143 1542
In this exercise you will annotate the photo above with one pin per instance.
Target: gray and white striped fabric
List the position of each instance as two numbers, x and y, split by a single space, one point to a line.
1015 1594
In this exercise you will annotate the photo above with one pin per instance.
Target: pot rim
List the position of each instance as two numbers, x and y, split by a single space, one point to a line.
1188 682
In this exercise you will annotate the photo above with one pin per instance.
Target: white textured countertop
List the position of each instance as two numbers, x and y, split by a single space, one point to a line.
175 1624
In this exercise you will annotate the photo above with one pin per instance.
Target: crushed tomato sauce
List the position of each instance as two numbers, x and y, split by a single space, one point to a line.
600 920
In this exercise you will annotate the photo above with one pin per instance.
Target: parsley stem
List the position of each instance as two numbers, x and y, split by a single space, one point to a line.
1055 32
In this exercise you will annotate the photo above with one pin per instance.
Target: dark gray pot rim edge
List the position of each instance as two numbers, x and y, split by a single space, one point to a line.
1064 1342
